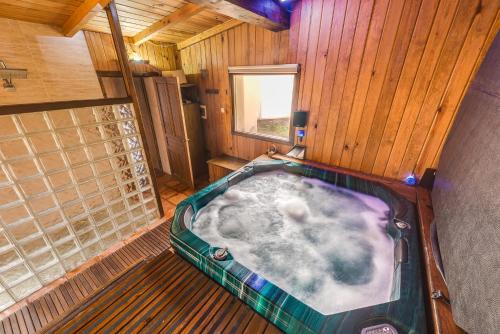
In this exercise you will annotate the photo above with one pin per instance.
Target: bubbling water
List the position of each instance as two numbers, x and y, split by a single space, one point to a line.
325 245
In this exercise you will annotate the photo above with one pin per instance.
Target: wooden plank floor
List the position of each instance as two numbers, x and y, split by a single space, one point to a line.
141 287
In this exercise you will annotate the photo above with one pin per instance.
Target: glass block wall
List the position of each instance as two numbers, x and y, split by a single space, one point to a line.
72 183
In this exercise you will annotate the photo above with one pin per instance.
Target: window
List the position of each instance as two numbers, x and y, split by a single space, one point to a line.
263 100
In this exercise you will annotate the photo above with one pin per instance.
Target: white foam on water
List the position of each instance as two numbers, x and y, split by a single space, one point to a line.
326 246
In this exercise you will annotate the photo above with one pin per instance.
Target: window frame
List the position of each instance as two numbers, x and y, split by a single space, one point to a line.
293 69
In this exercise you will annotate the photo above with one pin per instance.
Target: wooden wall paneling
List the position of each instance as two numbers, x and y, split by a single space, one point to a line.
406 80
377 80
437 36
479 37
341 72
394 68
372 48
353 76
381 79
317 127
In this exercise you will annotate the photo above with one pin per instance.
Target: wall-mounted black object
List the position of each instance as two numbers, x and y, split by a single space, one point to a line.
300 119
427 180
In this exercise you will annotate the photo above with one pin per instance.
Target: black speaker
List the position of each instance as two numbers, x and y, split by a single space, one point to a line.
300 119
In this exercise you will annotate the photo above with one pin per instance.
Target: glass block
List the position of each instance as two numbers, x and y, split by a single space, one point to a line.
50 274
81 225
144 182
34 245
74 211
147 194
105 113
133 200
126 175
95 202
52 162
23 168
78 156
141 223
59 234
105 228
85 115
43 142
110 240
88 188
41 260
137 156
111 131
14 214
3 176
118 207
120 161
23 230
127 231
122 219
98 151
61 118
12 149
26 288
42 203
33 186
8 127
5 300
8 195
130 187
92 250
87 238
4 242
51 219
103 167
69 138
60 180
109 181
73 261
129 127
100 215
140 169
137 212
67 195
92 134
150 205
66 247
112 195
9 257
116 146
33 122
133 143
83 173
11 275
125 112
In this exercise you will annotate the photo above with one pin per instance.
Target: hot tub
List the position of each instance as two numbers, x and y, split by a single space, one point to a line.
313 251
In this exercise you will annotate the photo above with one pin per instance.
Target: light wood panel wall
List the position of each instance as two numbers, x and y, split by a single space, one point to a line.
382 79
162 56
59 68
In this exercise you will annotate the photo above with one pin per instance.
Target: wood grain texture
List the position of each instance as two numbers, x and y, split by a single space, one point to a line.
161 56
382 80
59 68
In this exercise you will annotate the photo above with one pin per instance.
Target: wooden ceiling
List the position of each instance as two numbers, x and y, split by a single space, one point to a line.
135 16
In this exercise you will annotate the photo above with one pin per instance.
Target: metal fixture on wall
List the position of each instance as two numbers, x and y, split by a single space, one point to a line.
7 74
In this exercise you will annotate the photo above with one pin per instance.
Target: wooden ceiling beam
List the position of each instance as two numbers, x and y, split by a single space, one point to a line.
208 33
264 13
181 14
84 13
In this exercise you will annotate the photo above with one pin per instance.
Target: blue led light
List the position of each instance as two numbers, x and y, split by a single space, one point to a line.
301 133
411 180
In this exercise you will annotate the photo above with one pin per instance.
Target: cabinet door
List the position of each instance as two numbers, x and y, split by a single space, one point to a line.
170 104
